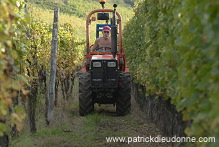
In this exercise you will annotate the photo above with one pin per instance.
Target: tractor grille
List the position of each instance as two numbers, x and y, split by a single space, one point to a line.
104 77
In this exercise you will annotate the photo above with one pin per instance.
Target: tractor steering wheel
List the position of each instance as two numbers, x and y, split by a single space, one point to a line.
103 49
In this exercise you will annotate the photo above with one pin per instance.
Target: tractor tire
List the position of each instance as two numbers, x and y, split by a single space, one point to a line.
86 105
123 101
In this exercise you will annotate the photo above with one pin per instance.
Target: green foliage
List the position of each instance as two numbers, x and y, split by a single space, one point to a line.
68 55
21 41
172 49
79 8
13 47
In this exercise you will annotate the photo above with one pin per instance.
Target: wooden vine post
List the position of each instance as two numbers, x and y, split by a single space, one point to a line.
52 78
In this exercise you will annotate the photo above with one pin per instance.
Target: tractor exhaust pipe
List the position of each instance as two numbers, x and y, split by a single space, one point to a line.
114 33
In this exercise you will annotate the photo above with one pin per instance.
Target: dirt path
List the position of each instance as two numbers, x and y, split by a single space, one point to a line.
133 127
70 129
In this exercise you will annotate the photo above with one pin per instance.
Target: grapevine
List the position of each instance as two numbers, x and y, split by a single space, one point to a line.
172 49
13 47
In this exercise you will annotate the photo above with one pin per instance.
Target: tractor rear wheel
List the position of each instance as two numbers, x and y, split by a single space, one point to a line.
86 105
123 102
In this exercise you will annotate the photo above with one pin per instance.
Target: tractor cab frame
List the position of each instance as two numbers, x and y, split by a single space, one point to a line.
120 56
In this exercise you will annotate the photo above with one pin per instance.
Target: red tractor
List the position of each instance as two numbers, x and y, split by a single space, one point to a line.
105 77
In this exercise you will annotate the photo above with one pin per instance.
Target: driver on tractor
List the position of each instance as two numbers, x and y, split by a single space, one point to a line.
103 43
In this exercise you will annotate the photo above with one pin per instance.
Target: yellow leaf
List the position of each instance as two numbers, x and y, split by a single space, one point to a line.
17 120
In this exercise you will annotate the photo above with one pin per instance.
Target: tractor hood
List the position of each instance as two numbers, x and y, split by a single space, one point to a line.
102 57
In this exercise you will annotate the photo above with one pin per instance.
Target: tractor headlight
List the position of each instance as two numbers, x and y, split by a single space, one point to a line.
111 64
96 64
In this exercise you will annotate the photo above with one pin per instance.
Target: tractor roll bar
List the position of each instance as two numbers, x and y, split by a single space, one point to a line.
88 28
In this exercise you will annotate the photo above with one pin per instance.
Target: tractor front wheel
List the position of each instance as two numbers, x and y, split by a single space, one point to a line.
123 102
86 105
